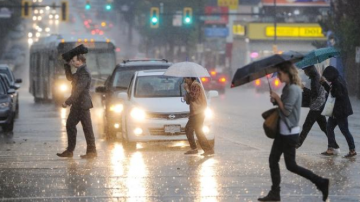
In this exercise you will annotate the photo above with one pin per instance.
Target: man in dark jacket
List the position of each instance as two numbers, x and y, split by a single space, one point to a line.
342 109
80 102
317 97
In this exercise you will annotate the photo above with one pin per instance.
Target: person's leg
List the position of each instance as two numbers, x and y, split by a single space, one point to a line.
309 122
321 120
290 161
344 128
204 143
274 158
71 122
86 123
189 130
331 124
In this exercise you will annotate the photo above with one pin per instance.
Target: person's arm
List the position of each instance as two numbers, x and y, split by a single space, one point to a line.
315 86
81 84
287 105
194 92
336 90
68 73
325 84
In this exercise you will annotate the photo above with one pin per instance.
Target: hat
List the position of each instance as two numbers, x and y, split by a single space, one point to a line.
81 49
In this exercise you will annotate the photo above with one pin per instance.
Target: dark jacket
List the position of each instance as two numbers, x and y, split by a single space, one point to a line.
338 89
317 92
80 93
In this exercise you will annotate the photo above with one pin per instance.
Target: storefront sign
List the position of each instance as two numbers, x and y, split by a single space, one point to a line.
239 30
216 19
294 31
306 3
232 4
216 32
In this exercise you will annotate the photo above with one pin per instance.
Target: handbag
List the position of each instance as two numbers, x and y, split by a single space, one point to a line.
271 123
329 106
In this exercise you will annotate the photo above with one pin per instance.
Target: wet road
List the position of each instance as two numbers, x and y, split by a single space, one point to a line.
30 170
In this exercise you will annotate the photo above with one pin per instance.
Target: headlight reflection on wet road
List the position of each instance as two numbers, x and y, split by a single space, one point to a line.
208 182
117 167
136 181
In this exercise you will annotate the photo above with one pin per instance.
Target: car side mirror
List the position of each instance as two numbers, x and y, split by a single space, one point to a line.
15 87
11 91
100 89
213 93
18 81
123 96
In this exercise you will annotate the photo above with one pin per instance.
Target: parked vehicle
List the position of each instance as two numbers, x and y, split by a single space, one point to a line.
13 83
7 107
118 82
14 95
218 81
154 109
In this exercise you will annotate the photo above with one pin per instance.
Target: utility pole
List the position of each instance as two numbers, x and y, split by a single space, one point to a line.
275 29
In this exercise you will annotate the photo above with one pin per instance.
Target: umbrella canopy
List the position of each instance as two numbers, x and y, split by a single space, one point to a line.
262 67
186 69
317 56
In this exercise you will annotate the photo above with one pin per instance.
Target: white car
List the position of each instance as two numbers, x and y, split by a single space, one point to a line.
154 109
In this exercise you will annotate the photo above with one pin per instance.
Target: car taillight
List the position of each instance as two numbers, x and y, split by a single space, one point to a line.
257 82
277 82
204 79
213 73
222 80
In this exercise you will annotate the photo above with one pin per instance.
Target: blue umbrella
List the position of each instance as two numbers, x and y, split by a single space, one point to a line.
317 56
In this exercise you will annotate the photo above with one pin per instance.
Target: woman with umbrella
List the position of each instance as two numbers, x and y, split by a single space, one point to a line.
285 141
342 109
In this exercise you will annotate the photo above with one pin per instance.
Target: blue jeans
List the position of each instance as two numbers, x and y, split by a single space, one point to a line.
344 128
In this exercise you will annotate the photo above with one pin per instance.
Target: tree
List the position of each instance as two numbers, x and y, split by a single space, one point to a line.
344 21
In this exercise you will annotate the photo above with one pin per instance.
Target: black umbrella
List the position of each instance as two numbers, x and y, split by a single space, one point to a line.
263 67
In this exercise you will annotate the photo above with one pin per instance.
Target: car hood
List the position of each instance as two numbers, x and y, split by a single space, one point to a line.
161 105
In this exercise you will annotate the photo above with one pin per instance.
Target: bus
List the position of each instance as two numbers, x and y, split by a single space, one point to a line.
47 75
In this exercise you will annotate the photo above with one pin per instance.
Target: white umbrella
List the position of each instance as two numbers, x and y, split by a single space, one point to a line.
186 69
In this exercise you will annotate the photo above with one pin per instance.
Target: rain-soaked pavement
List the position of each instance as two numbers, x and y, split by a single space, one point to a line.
30 170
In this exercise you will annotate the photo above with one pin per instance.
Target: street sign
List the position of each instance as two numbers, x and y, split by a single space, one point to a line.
239 30
216 19
5 13
232 4
216 32
177 19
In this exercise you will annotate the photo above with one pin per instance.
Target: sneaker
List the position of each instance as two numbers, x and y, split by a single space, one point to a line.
324 188
208 153
330 152
66 154
350 154
272 196
336 151
89 155
193 151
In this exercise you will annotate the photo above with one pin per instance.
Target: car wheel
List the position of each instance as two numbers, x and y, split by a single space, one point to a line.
9 127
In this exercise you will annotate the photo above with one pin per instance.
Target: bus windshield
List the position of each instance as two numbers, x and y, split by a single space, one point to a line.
100 62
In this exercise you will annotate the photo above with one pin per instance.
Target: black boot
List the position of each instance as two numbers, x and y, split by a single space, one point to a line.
273 195
324 188
66 153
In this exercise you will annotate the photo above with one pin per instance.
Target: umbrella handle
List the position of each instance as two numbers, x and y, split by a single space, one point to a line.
268 80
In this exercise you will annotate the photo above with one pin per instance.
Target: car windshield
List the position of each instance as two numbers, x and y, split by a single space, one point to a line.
100 62
7 73
122 78
159 86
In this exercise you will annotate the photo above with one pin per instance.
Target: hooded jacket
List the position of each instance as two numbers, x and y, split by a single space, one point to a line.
338 89
317 92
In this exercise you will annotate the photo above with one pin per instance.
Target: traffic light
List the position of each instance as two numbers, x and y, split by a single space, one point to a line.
187 15
64 13
25 8
154 17
87 5
108 6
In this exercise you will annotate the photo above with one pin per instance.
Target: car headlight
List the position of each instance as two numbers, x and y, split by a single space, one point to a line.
208 113
117 108
63 87
138 114
4 105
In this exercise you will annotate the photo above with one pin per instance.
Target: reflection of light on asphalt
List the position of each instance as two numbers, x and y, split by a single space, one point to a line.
63 113
180 144
208 183
135 183
117 167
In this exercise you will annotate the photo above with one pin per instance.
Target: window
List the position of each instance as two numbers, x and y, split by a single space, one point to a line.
159 86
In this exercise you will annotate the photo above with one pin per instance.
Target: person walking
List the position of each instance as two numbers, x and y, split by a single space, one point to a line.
80 102
287 137
342 109
195 97
317 101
